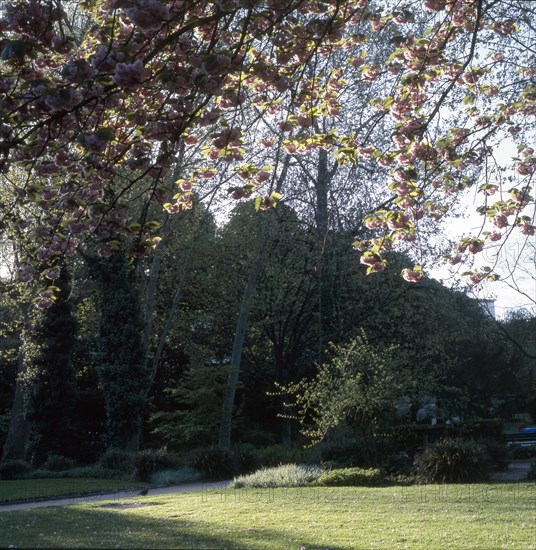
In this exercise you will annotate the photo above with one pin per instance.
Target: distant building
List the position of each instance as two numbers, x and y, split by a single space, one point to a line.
488 305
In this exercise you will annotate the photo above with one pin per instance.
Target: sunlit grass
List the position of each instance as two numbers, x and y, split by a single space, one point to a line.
450 516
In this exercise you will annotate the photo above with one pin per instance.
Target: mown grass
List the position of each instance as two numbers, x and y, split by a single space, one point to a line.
36 489
418 517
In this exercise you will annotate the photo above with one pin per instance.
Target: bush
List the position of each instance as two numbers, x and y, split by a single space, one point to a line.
81 471
350 477
453 461
175 476
118 459
522 452
12 469
406 439
214 463
531 476
149 461
342 453
286 475
275 455
217 464
58 463
487 428
398 464
497 452
246 458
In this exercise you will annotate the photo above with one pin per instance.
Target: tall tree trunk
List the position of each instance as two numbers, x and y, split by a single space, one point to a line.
324 268
236 356
242 323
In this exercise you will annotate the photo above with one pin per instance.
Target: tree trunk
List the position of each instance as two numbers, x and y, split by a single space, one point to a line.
242 323
325 297
238 345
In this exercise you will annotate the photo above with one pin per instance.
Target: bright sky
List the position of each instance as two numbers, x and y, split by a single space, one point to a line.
517 259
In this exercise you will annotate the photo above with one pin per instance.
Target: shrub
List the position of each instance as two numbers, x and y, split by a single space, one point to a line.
521 452
453 461
286 475
497 452
350 477
342 453
398 464
11 469
175 476
214 463
246 458
217 464
58 463
118 459
405 439
486 428
149 461
275 455
81 471
531 476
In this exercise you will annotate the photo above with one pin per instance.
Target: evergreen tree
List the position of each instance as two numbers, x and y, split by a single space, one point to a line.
48 380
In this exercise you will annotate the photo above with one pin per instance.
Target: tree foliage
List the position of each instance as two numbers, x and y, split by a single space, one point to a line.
112 90
359 385
119 357
48 382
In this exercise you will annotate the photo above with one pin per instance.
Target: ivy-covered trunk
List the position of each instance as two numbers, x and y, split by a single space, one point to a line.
48 381
123 374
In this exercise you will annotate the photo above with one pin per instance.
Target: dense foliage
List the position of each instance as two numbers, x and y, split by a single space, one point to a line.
119 91
133 127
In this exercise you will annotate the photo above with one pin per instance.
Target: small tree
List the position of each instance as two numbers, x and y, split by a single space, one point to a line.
359 386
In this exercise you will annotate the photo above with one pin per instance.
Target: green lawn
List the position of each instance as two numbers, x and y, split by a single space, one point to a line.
36 489
488 516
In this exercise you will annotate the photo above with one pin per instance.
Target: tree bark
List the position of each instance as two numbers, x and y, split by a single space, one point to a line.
238 346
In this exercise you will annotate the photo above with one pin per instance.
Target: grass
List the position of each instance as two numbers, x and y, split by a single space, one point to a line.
486 516
36 489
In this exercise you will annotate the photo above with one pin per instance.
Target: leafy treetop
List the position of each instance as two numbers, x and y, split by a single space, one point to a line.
98 97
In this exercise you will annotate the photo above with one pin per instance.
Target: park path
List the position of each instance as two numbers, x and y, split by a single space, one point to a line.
116 495
517 471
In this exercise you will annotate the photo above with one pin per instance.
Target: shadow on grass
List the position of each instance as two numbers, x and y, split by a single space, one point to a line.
144 524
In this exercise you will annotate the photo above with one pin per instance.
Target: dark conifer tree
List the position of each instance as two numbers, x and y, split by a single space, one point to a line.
48 381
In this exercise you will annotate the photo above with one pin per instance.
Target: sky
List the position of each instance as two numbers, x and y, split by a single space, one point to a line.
516 265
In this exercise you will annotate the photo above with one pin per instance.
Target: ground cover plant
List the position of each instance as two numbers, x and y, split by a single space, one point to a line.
34 489
429 516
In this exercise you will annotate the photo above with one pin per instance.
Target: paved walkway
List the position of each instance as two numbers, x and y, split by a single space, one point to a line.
517 471
117 495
